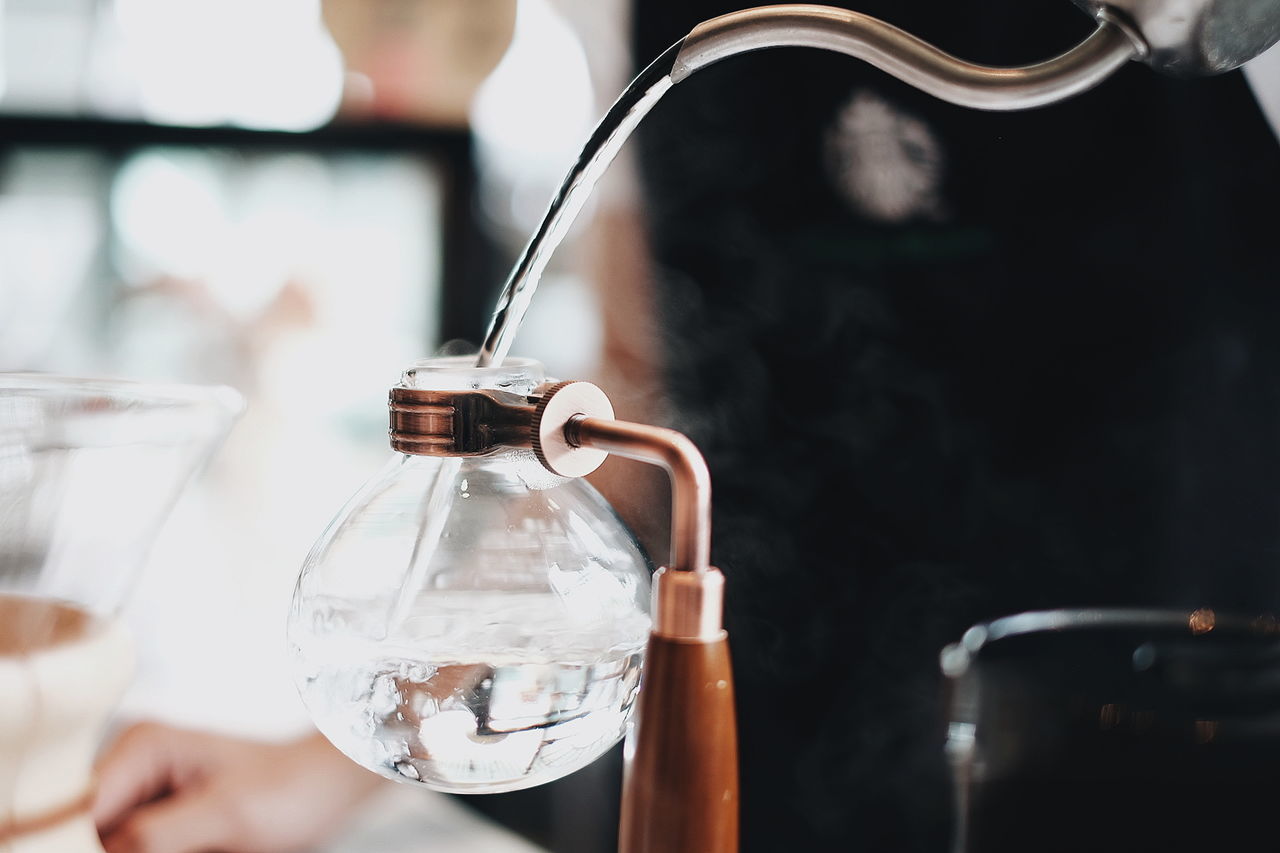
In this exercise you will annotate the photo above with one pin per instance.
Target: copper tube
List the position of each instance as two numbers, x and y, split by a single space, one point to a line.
690 480
680 791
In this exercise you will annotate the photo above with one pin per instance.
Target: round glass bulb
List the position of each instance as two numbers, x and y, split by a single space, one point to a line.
474 625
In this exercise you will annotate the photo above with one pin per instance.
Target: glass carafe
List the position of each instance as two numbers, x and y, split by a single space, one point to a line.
472 624
89 469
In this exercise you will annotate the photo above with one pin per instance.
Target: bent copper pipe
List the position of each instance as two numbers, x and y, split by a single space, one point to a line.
680 790
690 480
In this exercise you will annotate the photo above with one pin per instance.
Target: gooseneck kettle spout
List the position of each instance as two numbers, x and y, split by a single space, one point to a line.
911 59
1179 37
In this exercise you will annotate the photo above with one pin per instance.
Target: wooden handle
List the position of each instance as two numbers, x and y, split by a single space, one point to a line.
680 792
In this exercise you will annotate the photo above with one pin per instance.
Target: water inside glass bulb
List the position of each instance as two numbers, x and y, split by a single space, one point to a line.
475 625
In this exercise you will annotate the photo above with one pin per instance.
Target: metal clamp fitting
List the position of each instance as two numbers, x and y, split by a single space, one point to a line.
458 423
479 422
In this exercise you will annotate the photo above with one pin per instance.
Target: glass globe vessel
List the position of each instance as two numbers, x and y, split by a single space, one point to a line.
472 624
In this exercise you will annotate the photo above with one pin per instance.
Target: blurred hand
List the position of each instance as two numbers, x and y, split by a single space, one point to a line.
167 790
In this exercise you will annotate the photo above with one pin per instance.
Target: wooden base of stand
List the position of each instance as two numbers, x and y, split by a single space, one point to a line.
680 793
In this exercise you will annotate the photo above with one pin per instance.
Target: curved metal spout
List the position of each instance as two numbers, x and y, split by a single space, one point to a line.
910 59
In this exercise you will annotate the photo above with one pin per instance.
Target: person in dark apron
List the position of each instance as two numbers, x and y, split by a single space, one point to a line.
948 365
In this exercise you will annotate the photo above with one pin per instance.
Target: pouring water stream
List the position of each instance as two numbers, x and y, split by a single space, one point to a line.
900 54
599 152
832 29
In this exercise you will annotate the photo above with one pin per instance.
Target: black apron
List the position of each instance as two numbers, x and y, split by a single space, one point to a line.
948 365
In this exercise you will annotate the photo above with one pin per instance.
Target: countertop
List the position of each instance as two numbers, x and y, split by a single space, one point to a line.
400 819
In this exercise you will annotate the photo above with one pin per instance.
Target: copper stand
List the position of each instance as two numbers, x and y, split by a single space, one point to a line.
680 793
